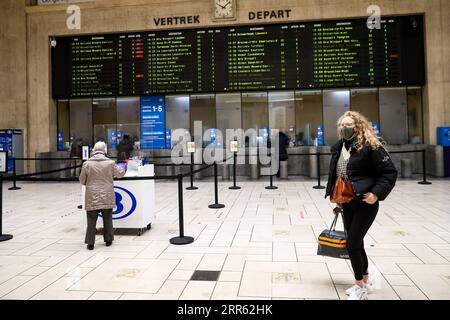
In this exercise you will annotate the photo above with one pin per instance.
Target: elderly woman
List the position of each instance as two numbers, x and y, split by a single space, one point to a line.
362 162
97 174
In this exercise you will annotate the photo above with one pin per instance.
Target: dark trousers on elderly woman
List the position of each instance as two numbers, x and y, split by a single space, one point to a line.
358 217
108 231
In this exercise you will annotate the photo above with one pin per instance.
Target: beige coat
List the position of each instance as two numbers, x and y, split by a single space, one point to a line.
97 174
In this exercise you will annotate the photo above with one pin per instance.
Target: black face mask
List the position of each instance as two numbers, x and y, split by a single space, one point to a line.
347 133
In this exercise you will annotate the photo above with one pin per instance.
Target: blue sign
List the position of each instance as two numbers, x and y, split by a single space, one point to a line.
60 141
112 139
126 203
168 139
213 137
6 139
443 136
153 122
320 141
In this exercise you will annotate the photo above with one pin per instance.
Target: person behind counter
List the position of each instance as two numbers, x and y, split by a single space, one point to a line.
283 144
125 148
97 174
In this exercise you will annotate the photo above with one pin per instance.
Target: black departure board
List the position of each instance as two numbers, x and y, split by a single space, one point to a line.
324 54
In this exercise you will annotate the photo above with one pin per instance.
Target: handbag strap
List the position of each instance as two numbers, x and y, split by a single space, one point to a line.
333 224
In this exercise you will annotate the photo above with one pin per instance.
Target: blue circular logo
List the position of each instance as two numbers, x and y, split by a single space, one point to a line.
126 203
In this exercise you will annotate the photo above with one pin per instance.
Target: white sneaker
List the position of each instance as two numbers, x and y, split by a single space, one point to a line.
369 285
358 294
349 291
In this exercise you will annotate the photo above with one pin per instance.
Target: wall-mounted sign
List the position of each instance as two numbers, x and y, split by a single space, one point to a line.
85 153
153 122
287 56
50 2
3 159
174 21
269 15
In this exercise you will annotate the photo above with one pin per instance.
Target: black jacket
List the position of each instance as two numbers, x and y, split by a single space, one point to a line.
368 170
283 140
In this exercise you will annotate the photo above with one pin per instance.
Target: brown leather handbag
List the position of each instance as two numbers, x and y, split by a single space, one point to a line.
342 191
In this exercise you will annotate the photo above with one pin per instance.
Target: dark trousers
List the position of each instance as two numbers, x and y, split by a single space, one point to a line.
108 231
358 217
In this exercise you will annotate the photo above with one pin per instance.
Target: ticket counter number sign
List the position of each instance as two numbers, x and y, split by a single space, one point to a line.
234 146
85 153
3 159
191 147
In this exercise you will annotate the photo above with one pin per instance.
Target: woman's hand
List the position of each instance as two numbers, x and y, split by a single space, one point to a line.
370 198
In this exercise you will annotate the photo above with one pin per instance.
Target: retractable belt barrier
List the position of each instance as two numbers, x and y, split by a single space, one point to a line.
180 240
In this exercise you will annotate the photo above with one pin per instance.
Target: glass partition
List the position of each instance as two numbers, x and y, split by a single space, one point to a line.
282 112
104 118
415 122
393 115
308 115
203 108
228 111
63 125
81 121
365 101
255 113
335 104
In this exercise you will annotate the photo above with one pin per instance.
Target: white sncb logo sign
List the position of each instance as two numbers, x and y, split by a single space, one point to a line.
47 2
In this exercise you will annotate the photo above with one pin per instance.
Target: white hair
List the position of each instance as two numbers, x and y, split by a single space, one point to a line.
100 147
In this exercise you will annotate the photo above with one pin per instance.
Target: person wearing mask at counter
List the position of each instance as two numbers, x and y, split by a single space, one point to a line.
98 174
362 163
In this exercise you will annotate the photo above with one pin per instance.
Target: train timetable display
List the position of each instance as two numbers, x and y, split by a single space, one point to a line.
322 54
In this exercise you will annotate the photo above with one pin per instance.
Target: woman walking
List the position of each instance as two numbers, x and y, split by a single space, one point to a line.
360 159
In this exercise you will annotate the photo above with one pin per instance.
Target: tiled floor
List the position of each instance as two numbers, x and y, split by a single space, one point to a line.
263 242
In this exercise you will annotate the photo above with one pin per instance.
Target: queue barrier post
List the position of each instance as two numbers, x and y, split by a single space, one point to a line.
192 187
318 172
14 187
234 186
3 237
216 204
424 169
181 239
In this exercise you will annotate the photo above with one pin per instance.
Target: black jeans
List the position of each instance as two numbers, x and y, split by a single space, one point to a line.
358 217
108 230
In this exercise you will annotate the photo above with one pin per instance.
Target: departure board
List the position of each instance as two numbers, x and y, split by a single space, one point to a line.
324 54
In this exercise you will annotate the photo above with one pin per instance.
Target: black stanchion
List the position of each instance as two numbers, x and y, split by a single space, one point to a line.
182 239
271 186
192 187
216 205
318 172
80 206
424 169
3 237
14 187
234 186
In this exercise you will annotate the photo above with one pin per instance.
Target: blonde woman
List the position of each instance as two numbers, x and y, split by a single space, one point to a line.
360 158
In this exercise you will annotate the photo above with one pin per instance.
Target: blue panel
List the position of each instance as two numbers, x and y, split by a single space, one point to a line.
443 136
320 141
6 145
169 139
153 122
60 141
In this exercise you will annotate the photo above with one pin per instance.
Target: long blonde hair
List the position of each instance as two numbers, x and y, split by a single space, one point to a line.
364 131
